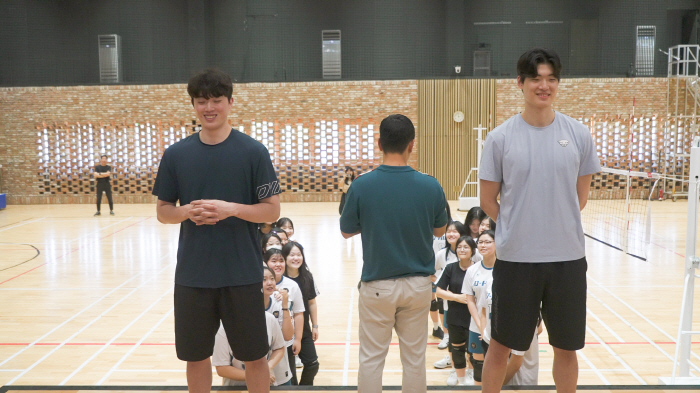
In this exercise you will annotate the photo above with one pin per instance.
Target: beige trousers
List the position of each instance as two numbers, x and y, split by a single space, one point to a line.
400 304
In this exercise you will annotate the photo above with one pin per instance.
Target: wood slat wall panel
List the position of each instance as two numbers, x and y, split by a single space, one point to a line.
449 149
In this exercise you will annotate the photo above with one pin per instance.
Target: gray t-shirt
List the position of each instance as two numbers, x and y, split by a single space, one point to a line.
539 218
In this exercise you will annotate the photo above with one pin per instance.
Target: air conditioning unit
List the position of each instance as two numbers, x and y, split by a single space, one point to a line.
110 49
482 63
331 54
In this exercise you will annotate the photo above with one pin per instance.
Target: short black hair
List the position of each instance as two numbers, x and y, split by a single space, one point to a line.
528 62
103 156
395 133
210 83
490 233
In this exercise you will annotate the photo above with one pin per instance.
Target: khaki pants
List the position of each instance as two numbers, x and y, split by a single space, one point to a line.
400 304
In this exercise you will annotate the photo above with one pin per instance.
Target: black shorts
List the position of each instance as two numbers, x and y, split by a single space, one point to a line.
520 288
199 312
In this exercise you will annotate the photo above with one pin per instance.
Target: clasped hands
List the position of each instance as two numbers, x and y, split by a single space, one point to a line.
210 211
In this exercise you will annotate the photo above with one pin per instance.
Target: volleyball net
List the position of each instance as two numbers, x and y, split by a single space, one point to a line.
618 212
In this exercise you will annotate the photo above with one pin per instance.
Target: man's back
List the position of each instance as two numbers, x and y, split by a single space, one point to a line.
396 208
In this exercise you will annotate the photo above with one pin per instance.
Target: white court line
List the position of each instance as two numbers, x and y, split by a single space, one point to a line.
616 356
99 230
126 355
631 308
108 343
346 365
68 320
645 319
593 368
59 346
618 338
621 318
24 223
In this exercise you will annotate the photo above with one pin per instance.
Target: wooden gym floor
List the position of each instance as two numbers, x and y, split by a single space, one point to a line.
87 301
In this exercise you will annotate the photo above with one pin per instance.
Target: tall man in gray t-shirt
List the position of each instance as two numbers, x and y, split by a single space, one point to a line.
541 163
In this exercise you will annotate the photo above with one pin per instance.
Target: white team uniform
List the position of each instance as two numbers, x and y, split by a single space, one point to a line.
296 302
528 372
275 308
475 283
223 356
438 244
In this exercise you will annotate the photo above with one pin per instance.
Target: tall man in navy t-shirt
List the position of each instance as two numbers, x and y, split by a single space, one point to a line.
398 211
225 183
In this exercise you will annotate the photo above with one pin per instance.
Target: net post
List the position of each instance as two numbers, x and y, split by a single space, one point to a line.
686 318
479 147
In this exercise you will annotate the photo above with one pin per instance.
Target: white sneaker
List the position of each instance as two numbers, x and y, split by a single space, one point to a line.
297 362
468 379
469 373
443 363
445 341
452 379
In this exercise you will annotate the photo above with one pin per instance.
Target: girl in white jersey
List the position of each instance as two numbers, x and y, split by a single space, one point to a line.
286 225
278 308
475 285
487 224
233 370
270 239
473 220
274 259
438 244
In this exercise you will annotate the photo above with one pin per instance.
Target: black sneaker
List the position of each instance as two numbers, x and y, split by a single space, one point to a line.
437 332
111 212
98 214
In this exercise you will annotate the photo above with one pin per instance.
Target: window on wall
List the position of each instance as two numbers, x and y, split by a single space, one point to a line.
306 154
644 55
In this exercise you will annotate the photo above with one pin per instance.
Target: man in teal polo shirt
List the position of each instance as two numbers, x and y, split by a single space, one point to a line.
398 210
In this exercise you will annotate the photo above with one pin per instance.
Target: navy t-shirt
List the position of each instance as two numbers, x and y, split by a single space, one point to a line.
236 170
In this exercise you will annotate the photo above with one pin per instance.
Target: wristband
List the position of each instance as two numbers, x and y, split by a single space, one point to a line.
285 309
314 326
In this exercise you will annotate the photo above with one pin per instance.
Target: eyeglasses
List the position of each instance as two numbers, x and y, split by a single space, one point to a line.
463 248
485 242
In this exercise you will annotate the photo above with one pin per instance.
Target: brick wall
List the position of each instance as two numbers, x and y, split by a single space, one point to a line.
22 110
26 110
585 97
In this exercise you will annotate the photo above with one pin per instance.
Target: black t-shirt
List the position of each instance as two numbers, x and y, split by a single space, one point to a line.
308 292
236 170
102 169
451 280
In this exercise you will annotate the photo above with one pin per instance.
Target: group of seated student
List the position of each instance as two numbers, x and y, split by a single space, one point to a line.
292 319
464 261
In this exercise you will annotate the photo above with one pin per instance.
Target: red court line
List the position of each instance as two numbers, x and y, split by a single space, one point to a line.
324 344
71 251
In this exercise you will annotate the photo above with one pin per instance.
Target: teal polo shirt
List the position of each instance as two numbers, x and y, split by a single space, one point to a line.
396 209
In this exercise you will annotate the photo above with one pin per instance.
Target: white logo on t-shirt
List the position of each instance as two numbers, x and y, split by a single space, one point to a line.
564 143
268 190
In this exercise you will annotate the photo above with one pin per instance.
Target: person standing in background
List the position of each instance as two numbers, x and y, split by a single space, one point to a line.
102 174
345 182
